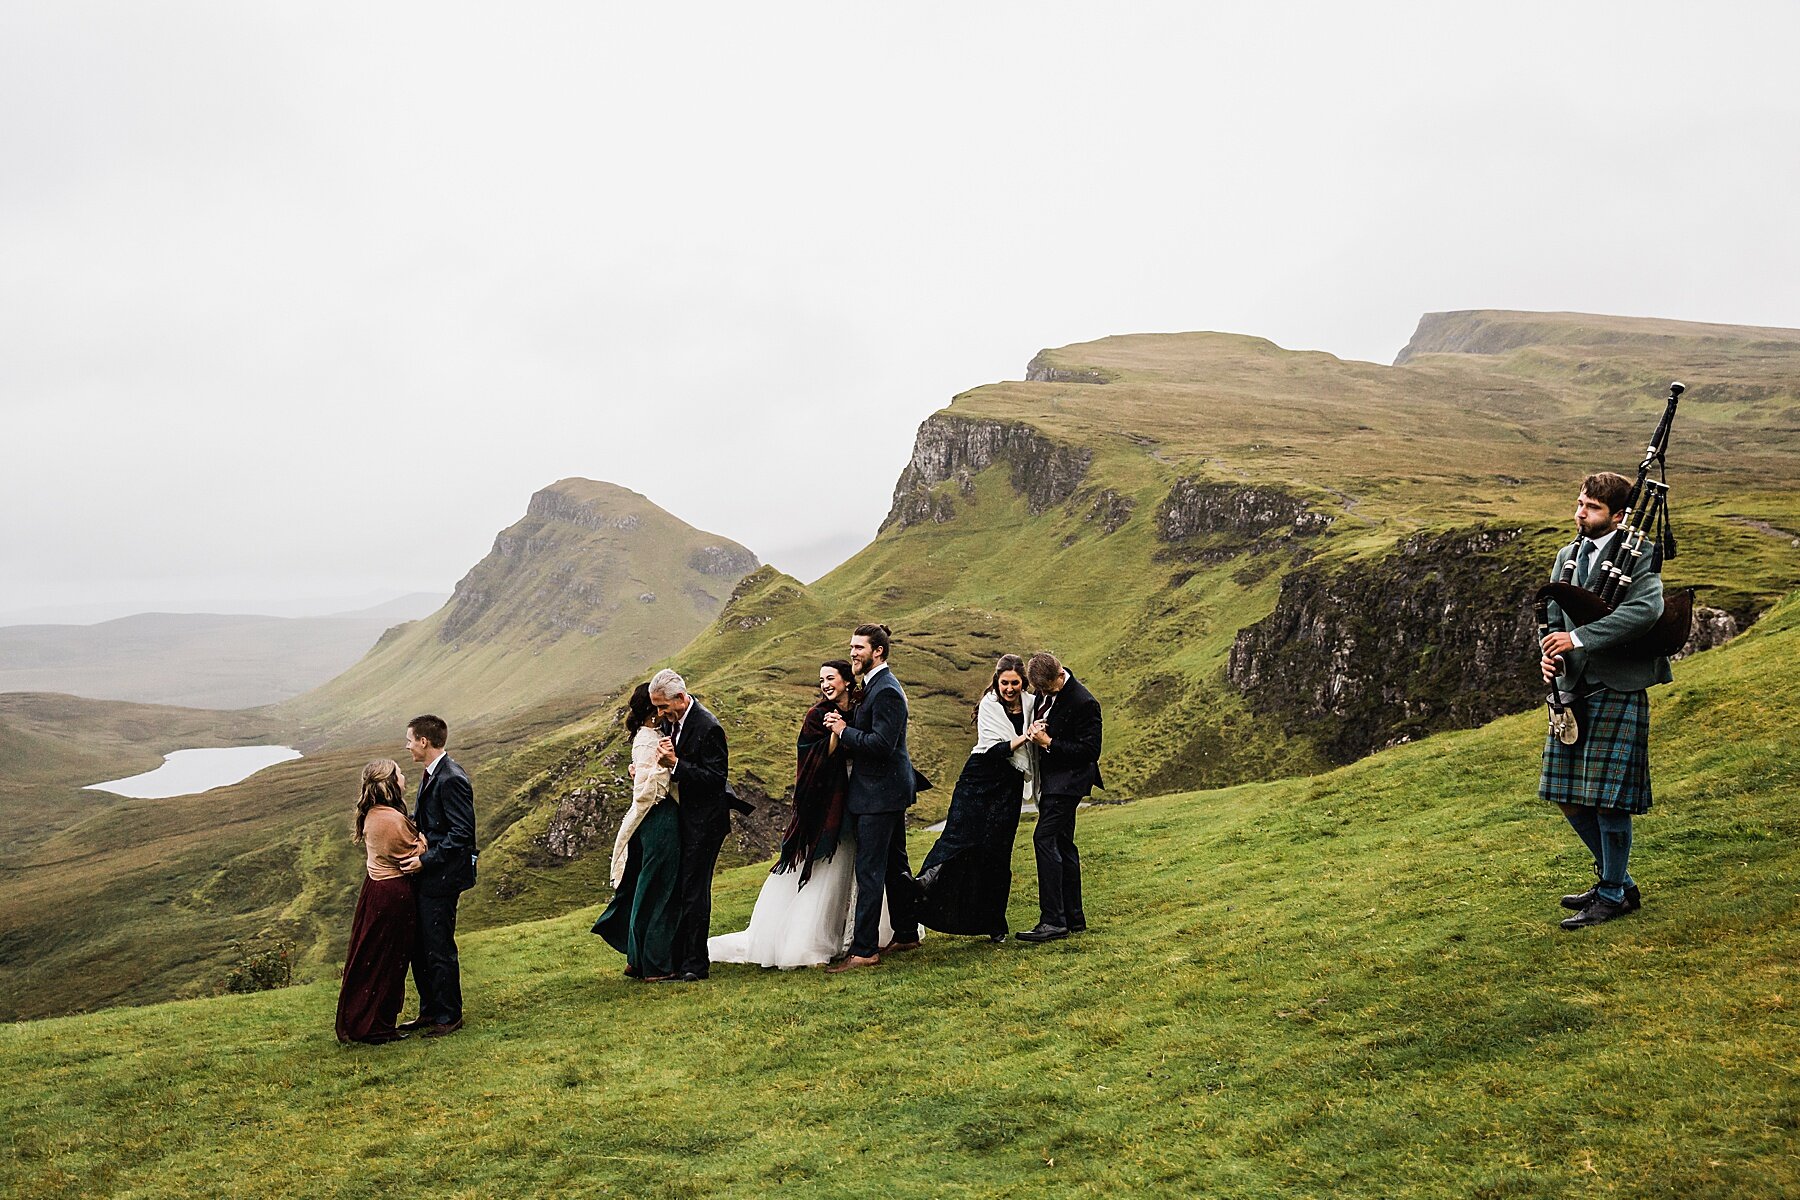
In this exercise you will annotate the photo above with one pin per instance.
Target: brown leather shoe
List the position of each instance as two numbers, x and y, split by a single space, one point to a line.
852 962
442 1030
899 947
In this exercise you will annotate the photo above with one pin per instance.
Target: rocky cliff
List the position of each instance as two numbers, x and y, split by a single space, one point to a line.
951 447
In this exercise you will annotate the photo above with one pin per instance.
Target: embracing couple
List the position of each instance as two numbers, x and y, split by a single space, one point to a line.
668 843
842 888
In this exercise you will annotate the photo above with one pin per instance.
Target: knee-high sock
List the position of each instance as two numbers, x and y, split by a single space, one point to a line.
1587 828
1615 856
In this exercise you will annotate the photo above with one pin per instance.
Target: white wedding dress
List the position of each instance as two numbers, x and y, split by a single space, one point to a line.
793 926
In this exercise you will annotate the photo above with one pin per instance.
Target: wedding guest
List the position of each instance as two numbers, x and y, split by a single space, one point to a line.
642 920
802 915
381 933
699 761
445 814
968 874
1067 733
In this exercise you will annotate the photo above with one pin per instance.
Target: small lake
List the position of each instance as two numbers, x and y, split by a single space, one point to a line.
189 772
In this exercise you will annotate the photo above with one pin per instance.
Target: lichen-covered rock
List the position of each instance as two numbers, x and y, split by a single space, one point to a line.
951 447
1713 627
1436 635
1196 506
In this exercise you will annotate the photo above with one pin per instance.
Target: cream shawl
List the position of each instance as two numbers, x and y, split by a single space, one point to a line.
993 726
649 784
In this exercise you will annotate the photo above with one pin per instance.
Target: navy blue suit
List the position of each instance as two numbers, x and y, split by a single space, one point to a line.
883 786
445 814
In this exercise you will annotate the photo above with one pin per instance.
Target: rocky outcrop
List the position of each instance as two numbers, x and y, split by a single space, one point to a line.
727 562
550 504
1105 508
1040 370
1195 507
1713 627
953 448
1436 635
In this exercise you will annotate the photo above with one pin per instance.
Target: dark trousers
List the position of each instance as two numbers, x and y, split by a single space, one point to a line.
435 970
700 842
1058 862
881 869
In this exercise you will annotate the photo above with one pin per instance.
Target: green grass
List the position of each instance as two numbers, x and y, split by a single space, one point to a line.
1344 985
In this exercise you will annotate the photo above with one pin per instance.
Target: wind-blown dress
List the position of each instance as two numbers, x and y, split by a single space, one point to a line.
803 914
968 874
640 922
381 933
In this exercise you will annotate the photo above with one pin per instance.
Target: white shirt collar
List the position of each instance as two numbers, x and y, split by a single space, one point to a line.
432 766
876 670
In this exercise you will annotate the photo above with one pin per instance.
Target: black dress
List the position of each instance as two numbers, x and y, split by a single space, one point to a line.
967 875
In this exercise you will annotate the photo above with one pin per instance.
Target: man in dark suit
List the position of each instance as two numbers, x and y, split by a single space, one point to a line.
695 748
883 786
445 814
1067 735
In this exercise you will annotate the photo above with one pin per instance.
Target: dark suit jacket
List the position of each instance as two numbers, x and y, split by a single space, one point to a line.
702 762
1071 763
881 771
445 814
1601 659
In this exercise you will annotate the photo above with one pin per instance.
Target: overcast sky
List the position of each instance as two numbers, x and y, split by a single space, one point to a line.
302 302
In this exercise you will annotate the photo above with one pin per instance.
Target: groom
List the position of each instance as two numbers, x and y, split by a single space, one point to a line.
882 787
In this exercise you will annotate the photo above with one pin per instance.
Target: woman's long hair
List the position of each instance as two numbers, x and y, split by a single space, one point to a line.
380 785
638 710
1008 662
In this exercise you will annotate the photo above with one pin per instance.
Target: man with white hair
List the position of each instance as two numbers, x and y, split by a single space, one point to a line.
694 748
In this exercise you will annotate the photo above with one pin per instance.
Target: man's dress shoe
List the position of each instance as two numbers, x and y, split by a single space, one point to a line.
899 947
852 962
414 1025
1043 933
1580 900
1597 912
444 1030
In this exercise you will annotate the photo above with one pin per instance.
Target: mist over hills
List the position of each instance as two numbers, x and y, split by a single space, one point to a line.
195 660
1264 562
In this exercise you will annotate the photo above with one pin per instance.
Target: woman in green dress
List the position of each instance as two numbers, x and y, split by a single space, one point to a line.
640 922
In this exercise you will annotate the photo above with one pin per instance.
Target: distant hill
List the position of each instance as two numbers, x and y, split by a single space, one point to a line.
593 585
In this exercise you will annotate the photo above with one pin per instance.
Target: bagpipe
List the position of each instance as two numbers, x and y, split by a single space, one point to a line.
1644 540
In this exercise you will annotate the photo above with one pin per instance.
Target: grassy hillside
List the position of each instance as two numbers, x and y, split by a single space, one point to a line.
1034 515
1350 985
195 660
590 587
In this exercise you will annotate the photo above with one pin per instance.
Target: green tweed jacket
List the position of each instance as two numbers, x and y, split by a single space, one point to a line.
1602 658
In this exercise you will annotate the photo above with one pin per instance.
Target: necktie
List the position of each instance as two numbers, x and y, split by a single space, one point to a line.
1585 559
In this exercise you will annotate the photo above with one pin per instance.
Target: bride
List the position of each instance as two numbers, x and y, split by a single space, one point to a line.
803 915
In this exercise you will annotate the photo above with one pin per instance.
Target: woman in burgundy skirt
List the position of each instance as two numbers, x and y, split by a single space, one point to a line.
381 937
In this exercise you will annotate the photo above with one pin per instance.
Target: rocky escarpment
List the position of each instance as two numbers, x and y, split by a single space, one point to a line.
1195 507
953 448
1436 635
1041 370
726 562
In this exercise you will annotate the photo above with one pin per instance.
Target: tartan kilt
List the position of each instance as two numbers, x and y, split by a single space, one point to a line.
1610 766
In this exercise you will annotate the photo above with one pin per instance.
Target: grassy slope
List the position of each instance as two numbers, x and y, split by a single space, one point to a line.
1347 985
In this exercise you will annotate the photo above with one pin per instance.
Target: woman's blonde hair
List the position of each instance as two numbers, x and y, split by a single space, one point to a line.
380 785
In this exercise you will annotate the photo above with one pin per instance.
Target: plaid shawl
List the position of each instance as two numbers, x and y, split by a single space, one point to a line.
1610 766
820 786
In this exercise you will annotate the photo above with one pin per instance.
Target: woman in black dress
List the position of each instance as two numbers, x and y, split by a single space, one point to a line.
967 875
